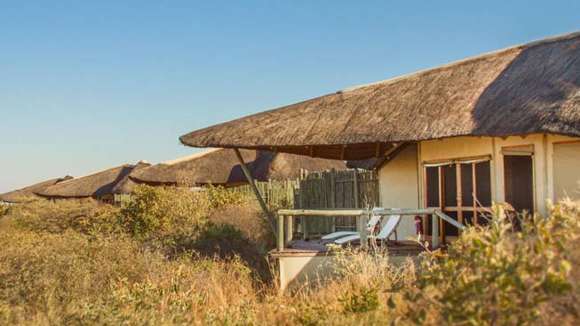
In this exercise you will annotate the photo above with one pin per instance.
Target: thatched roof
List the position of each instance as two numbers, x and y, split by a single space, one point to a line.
28 193
126 185
221 167
532 88
96 185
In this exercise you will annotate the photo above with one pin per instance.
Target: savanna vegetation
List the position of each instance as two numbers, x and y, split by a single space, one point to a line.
171 256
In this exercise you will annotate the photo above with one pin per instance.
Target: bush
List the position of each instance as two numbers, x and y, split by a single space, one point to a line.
222 197
227 242
360 300
52 275
70 278
159 212
248 218
493 275
3 210
88 263
86 216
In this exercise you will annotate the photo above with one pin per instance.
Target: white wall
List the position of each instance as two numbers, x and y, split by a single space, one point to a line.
556 162
566 157
455 148
464 147
543 159
398 184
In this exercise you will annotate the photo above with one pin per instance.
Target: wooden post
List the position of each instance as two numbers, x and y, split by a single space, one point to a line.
289 229
474 195
459 193
250 179
441 204
302 218
280 236
362 221
333 196
355 189
425 201
434 231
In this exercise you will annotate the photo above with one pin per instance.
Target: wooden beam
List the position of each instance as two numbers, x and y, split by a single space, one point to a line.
362 222
405 211
355 189
357 212
321 212
448 161
441 203
333 196
392 150
289 232
248 175
456 209
445 217
474 195
425 200
434 232
459 193
280 238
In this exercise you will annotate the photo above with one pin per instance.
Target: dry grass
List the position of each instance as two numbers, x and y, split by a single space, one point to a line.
56 270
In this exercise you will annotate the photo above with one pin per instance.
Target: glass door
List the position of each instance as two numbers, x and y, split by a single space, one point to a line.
461 190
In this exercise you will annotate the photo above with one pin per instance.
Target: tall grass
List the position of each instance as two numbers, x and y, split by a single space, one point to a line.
178 257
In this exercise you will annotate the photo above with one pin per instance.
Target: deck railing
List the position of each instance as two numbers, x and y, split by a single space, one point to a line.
286 217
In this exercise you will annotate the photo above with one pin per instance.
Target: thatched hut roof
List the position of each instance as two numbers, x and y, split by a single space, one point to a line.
221 167
95 185
532 88
28 193
126 185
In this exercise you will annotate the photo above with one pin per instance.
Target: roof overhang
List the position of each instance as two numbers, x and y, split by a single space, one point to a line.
527 89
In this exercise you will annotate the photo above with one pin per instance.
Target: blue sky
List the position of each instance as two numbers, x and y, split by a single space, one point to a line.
87 85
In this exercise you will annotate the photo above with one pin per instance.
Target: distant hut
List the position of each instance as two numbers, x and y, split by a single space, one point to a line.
27 194
127 185
221 167
102 185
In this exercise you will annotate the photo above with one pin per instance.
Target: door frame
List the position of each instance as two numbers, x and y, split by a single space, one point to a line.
509 151
457 162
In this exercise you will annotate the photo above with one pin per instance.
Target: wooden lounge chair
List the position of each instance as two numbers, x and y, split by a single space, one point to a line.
371 225
387 230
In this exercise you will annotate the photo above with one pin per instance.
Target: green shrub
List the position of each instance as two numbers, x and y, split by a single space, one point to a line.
227 242
70 278
248 218
85 216
51 275
3 210
493 275
83 262
359 300
159 212
222 197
